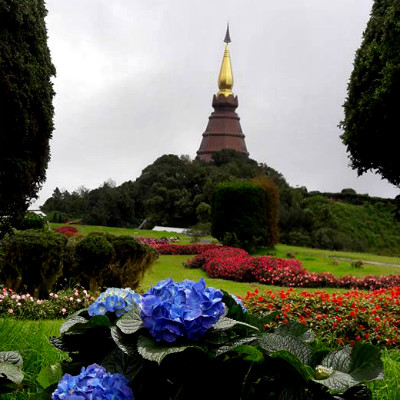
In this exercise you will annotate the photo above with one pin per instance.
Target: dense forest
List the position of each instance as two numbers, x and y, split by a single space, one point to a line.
176 191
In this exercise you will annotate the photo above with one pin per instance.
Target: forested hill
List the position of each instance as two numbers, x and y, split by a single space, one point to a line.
175 191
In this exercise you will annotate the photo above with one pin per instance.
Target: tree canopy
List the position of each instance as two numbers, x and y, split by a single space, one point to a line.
26 94
372 118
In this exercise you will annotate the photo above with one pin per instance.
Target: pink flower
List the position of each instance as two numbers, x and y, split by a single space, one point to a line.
10 311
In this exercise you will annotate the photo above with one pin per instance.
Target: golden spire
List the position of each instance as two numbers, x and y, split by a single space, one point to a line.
225 80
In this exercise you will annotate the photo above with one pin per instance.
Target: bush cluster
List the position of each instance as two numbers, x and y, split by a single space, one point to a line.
35 261
233 264
32 261
338 318
104 260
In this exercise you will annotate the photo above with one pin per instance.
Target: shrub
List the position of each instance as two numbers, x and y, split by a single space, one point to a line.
131 260
106 260
93 254
271 198
32 221
239 208
32 261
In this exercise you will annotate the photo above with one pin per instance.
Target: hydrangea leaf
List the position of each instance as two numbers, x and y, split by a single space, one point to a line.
119 362
77 324
352 366
339 360
234 344
150 350
11 357
272 342
305 370
297 330
130 322
70 322
338 382
11 372
122 341
227 323
49 375
250 353
366 363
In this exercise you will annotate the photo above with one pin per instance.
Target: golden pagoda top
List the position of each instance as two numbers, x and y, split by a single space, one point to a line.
225 80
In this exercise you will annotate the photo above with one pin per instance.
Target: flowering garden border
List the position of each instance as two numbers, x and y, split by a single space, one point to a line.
236 264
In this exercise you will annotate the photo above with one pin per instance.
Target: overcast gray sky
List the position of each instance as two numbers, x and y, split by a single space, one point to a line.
135 80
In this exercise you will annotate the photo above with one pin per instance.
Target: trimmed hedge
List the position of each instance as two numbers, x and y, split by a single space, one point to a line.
32 261
104 260
239 215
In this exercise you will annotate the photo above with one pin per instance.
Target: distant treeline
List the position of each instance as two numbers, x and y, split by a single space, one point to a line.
176 191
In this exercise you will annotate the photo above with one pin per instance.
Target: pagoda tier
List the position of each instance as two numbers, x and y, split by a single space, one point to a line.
223 130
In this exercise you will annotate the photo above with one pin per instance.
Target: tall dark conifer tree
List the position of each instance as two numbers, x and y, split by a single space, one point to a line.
26 110
372 107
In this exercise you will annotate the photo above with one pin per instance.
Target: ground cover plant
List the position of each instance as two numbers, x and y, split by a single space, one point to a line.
178 335
57 305
338 318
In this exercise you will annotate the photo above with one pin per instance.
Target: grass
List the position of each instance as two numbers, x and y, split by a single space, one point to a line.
315 260
172 267
31 339
388 388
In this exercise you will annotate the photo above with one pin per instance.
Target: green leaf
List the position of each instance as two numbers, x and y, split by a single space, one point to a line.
11 372
295 329
150 350
305 370
234 344
352 366
11 357
79 325
70 322
338 360
50 375
228 323
272 342
366 363
118 362
338 381
250 353
130 322
124 342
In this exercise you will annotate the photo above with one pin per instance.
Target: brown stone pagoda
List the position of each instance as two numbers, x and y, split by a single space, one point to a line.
223 130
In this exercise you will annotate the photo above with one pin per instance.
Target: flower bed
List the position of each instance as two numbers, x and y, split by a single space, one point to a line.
67 230
152 241
58 305
337 318
179 249
235 264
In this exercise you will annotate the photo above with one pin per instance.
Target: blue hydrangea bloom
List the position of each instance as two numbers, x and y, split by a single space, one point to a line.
93 383
115 300
180 309
238 301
